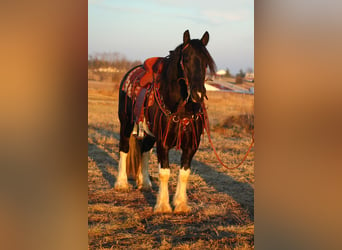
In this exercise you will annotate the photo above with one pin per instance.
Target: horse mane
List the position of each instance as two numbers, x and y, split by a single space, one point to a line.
171 62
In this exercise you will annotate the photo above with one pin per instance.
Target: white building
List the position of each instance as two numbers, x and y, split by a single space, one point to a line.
249 77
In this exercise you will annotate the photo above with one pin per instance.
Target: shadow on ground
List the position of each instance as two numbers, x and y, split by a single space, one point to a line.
173 229
99 156
243 193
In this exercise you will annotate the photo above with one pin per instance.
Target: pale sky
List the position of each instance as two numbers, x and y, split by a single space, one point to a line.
140 29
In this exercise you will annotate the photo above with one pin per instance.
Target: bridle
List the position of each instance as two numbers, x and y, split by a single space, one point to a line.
185 78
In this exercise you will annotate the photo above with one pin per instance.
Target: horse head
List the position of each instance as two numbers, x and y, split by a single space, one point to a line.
194 61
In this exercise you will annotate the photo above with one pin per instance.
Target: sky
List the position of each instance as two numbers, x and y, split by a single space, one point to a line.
139 29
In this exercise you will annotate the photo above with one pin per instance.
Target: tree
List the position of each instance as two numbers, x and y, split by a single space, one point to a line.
228 73
241 73
239 76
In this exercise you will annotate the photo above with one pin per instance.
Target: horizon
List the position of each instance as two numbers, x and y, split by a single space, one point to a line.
143 29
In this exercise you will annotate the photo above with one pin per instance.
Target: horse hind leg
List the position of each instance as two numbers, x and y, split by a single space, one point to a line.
121 183
143 178
135 164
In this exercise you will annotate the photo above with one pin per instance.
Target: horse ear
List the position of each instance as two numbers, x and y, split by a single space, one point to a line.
205 38
186 37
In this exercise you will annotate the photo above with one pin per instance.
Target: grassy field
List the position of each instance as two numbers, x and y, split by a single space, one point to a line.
222 200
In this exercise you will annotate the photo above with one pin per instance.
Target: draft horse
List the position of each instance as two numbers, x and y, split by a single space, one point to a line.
164 99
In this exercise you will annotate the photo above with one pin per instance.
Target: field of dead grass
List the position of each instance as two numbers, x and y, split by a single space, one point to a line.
222 200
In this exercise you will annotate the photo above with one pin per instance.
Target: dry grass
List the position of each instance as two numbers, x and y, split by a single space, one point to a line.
222 200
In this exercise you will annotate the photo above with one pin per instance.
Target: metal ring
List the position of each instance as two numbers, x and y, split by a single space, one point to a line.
173 119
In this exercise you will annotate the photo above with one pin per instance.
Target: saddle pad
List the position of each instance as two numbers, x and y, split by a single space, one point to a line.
131 84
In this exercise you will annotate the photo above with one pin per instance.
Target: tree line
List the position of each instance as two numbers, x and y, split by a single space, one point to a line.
110 59
120 62
240 74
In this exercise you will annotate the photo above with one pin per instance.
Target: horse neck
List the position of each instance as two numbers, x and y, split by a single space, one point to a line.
171 91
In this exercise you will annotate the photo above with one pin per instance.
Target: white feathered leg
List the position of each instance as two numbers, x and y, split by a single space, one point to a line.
180 199
143 181
121 183
163 204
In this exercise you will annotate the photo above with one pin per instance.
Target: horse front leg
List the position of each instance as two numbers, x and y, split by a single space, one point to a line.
180 200
163 204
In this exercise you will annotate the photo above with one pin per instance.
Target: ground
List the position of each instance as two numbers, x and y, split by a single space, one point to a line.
222 200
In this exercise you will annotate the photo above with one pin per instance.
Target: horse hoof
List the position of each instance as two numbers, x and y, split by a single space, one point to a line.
163 208
182 208
122 187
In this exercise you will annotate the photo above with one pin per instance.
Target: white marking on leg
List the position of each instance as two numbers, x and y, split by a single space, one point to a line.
144 181
121 182
163 204
180 199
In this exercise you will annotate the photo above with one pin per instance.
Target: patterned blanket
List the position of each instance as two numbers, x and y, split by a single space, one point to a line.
138 84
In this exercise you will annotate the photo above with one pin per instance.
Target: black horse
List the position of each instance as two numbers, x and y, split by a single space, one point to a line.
170 110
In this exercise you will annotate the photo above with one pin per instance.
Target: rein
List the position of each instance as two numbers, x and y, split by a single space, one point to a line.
206 126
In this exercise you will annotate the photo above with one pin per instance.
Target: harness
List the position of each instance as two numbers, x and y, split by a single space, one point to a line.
143 82
182 119
142 86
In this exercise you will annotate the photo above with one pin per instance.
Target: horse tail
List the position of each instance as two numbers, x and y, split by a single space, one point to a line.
133 161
